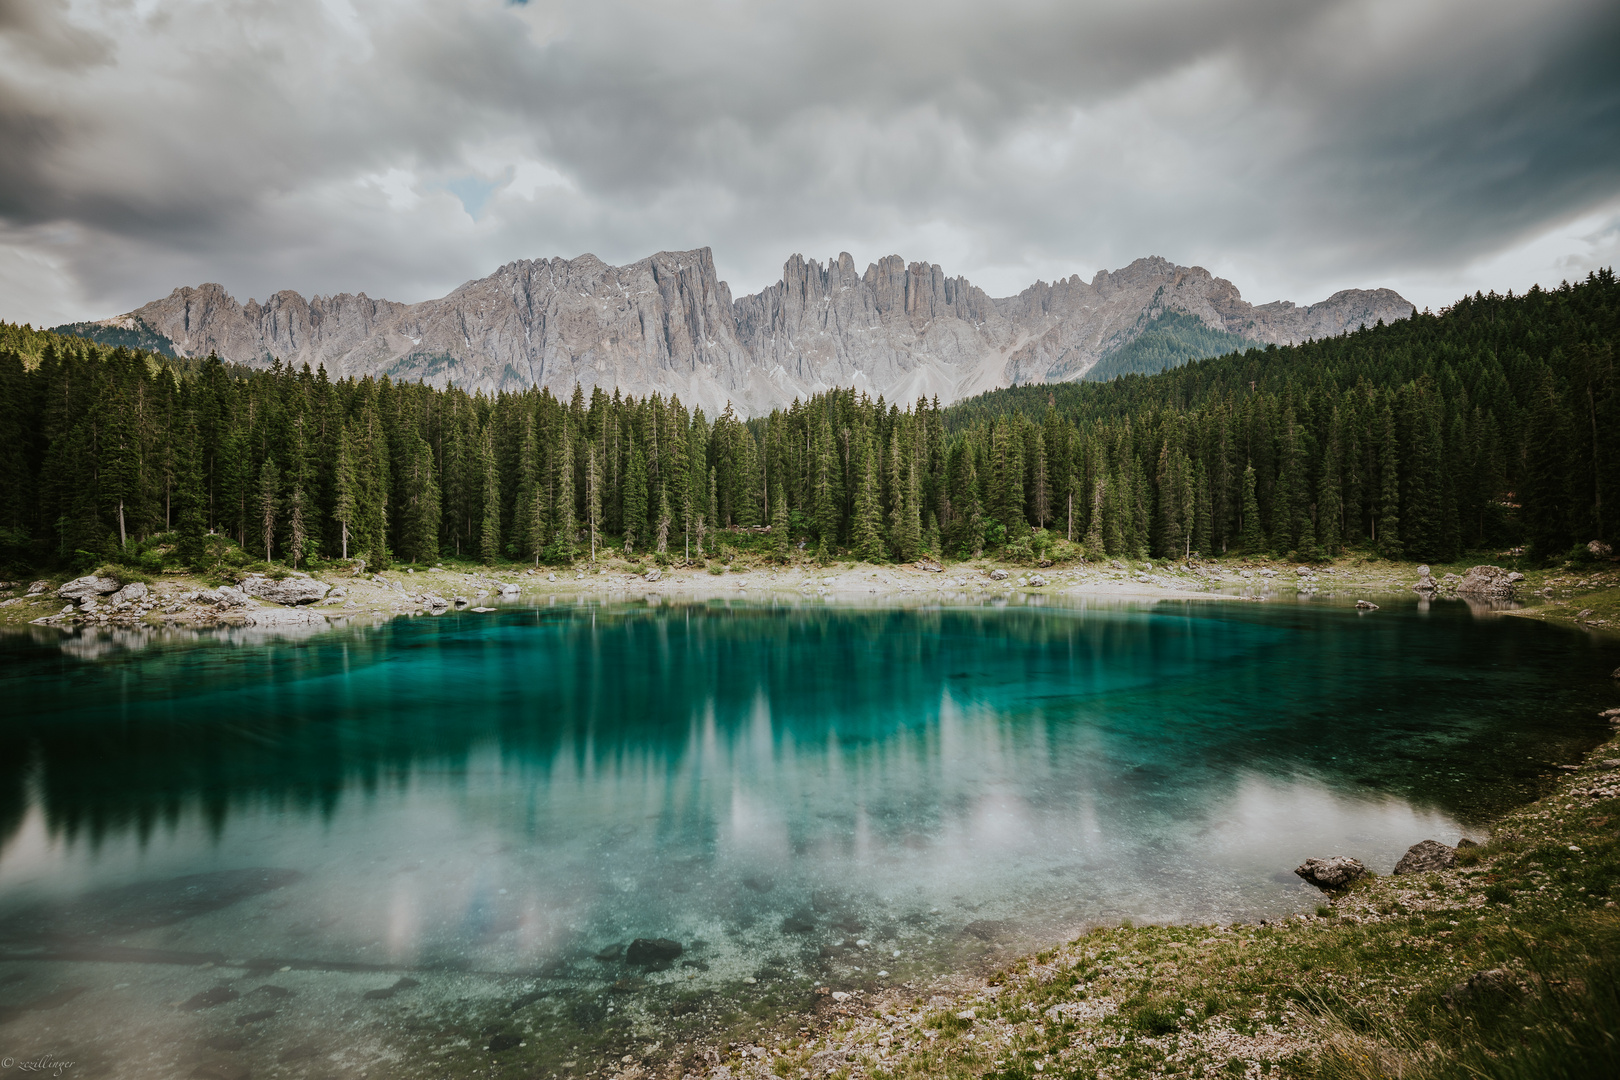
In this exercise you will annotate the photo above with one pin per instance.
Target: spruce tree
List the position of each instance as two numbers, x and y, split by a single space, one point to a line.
635 499
565 532
1329 503
1389 482
1203 525
489 534
296 525
593 496
665 519
1095 547
419 513
530 513
1253 536
269 497
1547 469
867 537
779 523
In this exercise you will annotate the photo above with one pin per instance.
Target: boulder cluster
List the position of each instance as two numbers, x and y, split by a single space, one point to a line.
1484 582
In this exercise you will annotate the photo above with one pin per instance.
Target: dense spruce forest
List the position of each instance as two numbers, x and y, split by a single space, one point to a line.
1491 423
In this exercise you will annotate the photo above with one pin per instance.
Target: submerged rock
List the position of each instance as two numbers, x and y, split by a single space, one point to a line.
1366 605
1332 873
216 995
646 951
1425 857
800 922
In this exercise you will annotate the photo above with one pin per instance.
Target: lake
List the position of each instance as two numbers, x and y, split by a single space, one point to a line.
483 837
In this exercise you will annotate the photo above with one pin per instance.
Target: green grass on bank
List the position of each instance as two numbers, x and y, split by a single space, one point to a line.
1507 966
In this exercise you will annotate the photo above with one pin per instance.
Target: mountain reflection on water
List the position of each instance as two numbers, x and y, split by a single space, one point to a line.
521 793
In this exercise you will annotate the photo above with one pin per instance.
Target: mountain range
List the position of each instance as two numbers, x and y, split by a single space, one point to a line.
668 324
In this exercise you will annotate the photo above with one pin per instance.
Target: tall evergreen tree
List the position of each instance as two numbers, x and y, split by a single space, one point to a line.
269 500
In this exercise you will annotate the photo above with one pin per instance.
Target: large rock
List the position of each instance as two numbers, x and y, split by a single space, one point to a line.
1332 873
1428 856
228 597
289 590
1491 582
668 324
132 593
1425 581
648 951
87 587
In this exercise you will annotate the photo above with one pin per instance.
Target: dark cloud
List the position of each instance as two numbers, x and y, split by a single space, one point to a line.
402 148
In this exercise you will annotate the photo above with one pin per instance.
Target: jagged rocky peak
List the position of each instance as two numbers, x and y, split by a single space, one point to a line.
668 324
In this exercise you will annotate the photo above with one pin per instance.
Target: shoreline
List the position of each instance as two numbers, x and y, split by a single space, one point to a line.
191 601
1347 991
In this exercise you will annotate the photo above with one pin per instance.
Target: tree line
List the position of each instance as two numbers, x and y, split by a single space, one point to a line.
1492 422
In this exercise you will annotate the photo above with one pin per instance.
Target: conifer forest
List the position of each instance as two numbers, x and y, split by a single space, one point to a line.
1492 423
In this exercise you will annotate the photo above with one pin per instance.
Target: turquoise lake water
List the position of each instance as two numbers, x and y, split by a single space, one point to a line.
494 805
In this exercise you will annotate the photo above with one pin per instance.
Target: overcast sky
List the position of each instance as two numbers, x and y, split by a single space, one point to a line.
400 148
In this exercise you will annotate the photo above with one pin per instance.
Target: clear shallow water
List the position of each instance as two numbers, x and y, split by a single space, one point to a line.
489 803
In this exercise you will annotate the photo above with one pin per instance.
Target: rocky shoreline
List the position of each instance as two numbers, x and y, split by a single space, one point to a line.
296 598
1395 972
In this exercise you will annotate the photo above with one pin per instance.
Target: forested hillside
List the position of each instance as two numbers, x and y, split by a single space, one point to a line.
1491 423
1169 340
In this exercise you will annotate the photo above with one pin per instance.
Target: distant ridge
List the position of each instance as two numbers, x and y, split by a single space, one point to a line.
667 324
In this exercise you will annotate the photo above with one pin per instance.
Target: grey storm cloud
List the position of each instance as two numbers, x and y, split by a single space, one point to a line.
404 147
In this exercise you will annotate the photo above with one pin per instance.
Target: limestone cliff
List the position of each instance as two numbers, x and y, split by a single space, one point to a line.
668 324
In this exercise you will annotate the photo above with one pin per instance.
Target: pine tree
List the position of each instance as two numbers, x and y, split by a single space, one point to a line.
1329 503
489 535
1040 493
343 484
1203 542
269 497
635 498
780 545
1389 480
192 509
530 512
419 514
1253 536
907 530
665 519
296 530
1095 546
593 496
714 503
1547 469
566 529
867 536
826 503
